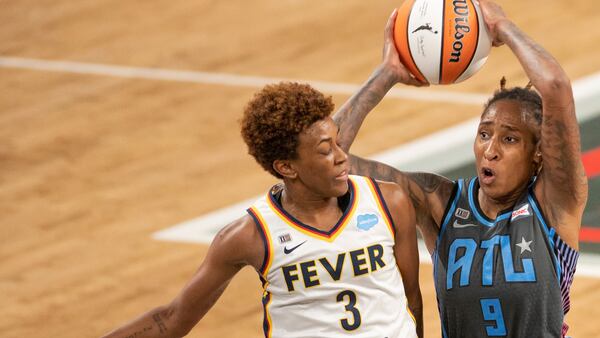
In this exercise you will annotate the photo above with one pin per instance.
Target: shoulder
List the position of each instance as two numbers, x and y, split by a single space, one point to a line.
398 202
392 192
239 243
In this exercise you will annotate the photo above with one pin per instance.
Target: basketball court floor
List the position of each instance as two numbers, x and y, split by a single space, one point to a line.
119 123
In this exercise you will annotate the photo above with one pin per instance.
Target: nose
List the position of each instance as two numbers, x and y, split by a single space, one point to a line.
340 155
491 151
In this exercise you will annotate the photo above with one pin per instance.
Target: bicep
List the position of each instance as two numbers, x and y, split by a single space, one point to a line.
562 175
230 251
406 249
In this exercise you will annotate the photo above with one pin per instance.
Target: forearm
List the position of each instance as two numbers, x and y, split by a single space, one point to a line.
353 112
416 308
545 73
154 323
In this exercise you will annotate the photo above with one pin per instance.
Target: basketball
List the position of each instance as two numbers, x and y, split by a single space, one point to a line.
443 42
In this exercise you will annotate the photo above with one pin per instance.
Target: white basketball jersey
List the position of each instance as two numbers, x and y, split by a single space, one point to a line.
338 283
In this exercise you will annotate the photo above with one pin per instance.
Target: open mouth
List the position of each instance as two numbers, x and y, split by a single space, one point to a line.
487 175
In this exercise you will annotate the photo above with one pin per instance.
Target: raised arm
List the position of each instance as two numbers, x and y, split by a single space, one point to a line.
406 250
234 247
428 192
353 112
562 186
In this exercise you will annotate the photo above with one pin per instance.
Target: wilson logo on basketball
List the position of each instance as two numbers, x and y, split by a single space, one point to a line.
461 27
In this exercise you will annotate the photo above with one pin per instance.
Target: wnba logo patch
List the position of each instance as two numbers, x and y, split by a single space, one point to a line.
366 221
522 211
285 238
462 213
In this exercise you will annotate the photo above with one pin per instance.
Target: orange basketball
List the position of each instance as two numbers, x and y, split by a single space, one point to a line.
441 41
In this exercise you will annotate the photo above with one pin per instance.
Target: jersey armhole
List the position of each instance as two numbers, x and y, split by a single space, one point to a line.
383 206
451 205
264 236
565 256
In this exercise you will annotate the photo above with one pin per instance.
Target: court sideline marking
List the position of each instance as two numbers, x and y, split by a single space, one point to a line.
452 144
225 79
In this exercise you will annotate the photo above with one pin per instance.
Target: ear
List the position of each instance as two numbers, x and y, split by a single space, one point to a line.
537 159
285 168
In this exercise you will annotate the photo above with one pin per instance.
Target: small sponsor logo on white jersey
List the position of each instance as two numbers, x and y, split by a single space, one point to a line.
365 222
521 212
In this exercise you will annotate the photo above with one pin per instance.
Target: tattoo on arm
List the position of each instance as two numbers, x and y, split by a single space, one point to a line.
417 184
138 333
352 114
428 182
562 159
161 325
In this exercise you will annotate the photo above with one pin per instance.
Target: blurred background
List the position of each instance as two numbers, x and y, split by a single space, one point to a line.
119 120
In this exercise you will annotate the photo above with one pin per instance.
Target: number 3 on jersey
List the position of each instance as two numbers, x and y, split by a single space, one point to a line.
350 307
492 311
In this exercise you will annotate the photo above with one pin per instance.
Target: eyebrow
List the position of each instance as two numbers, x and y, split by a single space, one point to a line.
509 127
505 126
327 139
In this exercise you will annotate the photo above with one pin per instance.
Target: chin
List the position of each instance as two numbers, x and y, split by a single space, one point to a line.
340 189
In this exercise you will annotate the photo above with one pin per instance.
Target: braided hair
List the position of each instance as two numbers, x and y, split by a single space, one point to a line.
530 100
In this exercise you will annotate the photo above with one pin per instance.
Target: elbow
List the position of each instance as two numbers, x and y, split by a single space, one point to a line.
554 83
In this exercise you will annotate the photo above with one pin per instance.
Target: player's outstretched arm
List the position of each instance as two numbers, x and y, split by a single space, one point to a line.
234 247
352 113
429 193
406 250
562 186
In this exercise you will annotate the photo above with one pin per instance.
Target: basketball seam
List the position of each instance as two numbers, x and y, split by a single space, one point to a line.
408 41
476 44
443 31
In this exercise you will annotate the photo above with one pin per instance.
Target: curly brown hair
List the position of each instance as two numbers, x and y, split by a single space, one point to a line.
276 115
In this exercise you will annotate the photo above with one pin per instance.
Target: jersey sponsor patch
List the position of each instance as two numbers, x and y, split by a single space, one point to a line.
366 221
462 213
521 212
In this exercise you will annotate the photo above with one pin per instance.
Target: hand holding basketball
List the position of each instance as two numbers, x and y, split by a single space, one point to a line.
391 58
493 15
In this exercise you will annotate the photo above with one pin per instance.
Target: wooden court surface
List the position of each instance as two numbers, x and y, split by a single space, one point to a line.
91 165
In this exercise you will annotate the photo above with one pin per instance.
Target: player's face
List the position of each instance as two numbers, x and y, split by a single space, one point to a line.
322 166
504 150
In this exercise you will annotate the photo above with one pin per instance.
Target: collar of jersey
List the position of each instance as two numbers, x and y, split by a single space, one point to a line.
481 217
328 236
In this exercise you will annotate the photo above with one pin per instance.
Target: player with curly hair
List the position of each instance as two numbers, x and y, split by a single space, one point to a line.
504 243
337 254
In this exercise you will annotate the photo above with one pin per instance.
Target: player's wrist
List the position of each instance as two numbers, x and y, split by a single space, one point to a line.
501 28
389 74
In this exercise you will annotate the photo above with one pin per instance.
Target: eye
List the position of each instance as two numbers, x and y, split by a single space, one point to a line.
326 151
510 139
484 135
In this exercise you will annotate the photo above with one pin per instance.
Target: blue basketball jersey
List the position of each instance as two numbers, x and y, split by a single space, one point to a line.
500 277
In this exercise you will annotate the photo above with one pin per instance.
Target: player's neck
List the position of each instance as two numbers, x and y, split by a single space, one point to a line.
311 208
492 206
